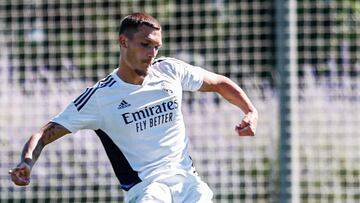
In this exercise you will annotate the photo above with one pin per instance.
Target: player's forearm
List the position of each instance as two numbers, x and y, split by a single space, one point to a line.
33 147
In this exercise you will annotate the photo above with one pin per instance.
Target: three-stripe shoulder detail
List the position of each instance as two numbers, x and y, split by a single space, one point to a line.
158 60
80 101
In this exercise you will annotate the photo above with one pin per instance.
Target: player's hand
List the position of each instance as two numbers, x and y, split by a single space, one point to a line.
248 125
20 175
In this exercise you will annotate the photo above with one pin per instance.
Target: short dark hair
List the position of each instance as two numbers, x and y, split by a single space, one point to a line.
130 24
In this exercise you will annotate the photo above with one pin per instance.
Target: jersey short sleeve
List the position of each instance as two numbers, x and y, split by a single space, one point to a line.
191 77
82 113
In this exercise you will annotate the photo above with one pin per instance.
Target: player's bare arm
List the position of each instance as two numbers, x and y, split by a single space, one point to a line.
20 175
234 94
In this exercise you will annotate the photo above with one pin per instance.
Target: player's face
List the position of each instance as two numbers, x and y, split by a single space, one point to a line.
142 49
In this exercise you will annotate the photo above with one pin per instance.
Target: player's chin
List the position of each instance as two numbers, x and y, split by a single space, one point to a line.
141 72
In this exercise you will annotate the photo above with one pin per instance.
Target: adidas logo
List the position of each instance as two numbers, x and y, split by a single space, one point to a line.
123 104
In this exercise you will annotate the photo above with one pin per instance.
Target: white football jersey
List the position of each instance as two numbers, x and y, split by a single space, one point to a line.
140 126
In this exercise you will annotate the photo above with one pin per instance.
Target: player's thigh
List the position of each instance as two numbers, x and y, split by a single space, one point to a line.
152 193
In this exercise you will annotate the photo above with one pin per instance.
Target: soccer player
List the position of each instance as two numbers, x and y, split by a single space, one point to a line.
136 112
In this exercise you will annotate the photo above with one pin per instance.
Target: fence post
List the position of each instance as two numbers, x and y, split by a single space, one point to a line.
286 64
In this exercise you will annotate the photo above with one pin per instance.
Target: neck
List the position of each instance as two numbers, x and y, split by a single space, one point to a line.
129 76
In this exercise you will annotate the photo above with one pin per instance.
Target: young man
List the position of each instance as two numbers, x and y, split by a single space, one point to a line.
136 112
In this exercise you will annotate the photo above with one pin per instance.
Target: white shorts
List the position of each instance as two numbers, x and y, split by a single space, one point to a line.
188 188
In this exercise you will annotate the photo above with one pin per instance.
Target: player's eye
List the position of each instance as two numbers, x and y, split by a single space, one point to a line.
145 44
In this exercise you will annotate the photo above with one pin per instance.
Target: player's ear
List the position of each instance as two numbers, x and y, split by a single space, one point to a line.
123 41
